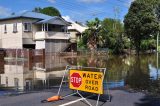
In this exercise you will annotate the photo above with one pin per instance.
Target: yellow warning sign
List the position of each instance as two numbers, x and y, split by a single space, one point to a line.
86 81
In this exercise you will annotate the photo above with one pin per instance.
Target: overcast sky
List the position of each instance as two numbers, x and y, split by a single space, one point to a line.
77 10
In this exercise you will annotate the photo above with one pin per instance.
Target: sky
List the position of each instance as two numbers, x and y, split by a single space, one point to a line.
73 10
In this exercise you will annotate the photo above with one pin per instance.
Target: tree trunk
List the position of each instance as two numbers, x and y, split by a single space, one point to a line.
137 44
92 44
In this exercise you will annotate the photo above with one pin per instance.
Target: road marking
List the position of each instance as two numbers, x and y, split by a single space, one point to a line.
65 104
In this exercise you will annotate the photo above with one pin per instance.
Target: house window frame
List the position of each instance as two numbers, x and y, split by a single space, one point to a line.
15 30
5 28
27 28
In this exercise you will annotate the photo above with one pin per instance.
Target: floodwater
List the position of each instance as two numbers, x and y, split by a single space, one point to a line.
20 74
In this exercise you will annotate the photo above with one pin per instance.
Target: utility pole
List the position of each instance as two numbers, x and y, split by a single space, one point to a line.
157 41
116 14
157 54
157 65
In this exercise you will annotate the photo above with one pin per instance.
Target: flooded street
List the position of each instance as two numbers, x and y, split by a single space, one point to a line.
24 73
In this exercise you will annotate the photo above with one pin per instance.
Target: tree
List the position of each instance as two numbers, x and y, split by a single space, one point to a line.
37 9
92 34
112 35
103 34
157 9
140 21
51 11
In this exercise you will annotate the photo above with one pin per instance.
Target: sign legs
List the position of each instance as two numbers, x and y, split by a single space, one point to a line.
67 67
76 81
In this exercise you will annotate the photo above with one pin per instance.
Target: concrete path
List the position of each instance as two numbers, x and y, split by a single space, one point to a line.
119 98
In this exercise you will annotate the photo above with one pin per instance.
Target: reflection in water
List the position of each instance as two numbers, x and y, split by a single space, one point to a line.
154 72
31 73
24 74
138 76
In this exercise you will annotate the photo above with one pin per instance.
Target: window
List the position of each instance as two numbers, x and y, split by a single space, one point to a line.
63 29
14 27
5 28
27 27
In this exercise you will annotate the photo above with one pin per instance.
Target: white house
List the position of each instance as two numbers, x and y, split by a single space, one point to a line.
34 30
75 30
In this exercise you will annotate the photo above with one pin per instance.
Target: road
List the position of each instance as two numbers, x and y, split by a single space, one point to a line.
119 98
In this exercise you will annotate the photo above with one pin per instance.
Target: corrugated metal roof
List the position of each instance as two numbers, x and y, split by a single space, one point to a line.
75 26
27 14
47 20
42 18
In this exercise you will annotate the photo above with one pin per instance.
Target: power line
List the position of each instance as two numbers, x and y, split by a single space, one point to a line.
89 12
122 1
71 7
86 13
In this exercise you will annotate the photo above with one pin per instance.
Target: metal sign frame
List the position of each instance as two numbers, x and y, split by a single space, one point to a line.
68 68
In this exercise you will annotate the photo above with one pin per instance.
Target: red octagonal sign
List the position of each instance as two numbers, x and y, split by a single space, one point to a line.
76 80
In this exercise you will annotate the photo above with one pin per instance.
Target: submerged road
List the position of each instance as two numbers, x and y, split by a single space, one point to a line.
119 98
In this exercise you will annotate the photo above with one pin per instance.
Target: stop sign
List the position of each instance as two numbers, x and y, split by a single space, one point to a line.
76 80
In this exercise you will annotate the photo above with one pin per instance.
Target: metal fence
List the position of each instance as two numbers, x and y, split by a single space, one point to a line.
98 51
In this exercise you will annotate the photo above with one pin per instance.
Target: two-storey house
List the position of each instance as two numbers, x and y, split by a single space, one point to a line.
76 30
34 30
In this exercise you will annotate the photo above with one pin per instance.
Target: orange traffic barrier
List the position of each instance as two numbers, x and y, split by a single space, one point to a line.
52 99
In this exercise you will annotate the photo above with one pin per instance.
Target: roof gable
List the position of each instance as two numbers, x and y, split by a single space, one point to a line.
55 20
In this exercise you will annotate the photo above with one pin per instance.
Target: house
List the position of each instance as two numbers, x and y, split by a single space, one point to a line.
75 29
34 30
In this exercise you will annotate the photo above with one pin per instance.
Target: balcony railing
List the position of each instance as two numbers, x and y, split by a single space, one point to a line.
41 35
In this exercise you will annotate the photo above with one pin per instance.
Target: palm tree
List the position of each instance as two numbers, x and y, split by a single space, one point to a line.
91 34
